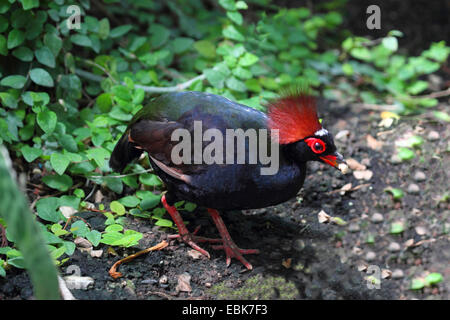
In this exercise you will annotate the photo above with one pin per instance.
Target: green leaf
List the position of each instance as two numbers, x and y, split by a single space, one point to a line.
397 227
205 48
228 4
23 53
129 201
405 154
248 59
241 5
79 228
397 193
181 45
47 119
433 278
361 53
442 116
81 40
120 31
3 48
59 162
417 284
149 179
390 43
417 87
114 228
45 56
98 155
103 28
30 154
94 237
232 33
53 42
117 207
61 183
41 77
15 81
150 201
15 38
163 222
235 16
236 85
47 209
29 4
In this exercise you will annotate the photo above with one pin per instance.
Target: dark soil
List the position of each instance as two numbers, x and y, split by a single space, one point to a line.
301 258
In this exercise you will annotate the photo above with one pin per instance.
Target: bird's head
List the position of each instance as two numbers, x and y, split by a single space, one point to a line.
299 129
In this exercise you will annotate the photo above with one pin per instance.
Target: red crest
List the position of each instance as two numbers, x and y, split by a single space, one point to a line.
295 116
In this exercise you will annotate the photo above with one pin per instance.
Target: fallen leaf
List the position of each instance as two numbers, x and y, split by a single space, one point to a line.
184 282
194 254
323 217
386 273
67 211
287 263
82 243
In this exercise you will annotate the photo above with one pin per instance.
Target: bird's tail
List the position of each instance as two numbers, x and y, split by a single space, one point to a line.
124 152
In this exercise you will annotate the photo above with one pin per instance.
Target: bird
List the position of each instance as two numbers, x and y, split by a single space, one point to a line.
290 126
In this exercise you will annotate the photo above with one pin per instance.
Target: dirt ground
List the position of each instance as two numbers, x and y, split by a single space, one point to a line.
300 257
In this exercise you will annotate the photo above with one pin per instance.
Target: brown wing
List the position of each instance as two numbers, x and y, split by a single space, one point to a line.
155 138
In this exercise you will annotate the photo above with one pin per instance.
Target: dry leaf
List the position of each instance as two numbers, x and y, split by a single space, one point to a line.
362 266
323 217
287 263
82 243
409 243
385 273
194 254
184 282
67 211
373 143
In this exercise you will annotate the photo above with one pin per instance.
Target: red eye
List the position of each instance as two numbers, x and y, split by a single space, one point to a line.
316 145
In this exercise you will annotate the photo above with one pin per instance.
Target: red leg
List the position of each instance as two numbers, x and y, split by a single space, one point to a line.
230 248
183 232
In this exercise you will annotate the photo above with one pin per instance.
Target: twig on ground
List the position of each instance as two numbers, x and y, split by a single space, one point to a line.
113 271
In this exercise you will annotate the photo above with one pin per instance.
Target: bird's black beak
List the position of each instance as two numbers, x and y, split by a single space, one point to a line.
333 159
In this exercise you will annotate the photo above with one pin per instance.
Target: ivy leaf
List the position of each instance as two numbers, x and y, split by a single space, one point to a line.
120 31
129 201
59 162
94 237
30 154
235 16
14 81
45 56
47 119
23 53
41 77
248 59
117 207
47 209
61 183
205 48
15 38
232 33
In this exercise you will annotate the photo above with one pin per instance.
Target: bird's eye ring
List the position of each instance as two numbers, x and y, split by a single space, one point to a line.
316 145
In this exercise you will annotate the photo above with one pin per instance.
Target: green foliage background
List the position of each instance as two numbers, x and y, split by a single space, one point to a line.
67 94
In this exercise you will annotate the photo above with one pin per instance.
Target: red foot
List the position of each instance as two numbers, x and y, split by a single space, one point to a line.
228 245
183 232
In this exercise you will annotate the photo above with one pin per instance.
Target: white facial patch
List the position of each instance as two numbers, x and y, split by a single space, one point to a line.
321 132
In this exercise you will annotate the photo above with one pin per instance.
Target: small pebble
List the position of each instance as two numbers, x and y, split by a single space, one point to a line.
433 136
394 247
413 188
397 274
370 256
354 227
163 279
395 159
377 218
420 176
